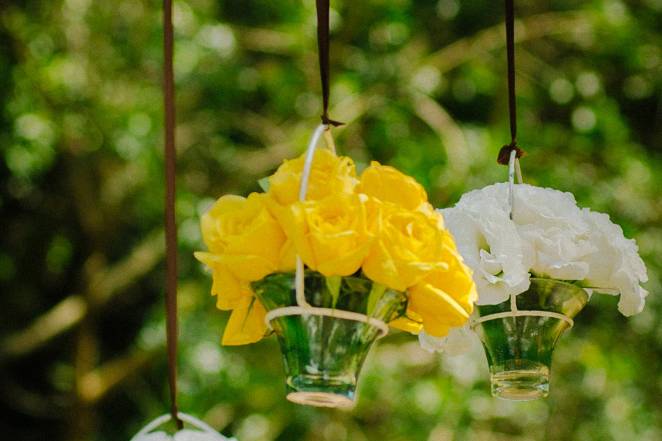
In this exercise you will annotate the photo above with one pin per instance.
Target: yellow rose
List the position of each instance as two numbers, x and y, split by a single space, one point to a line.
331 235
330 174
445 297
390 185
246 324
212 234
409 246
244 236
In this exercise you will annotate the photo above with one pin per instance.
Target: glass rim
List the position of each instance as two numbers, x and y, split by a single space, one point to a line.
313 273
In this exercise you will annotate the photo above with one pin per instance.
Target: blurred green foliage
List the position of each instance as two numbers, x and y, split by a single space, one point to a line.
421 85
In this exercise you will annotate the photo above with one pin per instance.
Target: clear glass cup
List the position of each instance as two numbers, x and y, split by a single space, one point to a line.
519 349
323 355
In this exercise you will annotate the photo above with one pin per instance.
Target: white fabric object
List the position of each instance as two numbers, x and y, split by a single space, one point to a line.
202 432
549 236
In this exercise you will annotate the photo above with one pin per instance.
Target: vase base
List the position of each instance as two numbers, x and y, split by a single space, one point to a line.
322 390
521 385
320 399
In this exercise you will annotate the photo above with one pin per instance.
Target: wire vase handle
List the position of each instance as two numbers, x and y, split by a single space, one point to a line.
303 307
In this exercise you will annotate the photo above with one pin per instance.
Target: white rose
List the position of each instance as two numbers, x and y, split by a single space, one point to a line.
490 245
549 236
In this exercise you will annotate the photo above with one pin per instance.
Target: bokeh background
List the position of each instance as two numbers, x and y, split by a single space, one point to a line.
421 84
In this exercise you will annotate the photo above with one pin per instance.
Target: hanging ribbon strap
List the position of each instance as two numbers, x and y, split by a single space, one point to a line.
323 51
170 225
504 153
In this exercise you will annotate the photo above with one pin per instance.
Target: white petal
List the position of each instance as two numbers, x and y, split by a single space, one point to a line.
491 294
193 435
457 342
154 436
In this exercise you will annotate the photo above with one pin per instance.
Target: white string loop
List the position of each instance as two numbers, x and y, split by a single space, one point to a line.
303 307
202 426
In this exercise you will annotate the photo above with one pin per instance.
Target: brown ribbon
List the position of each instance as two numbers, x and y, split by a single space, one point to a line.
323 51
170 224
504 153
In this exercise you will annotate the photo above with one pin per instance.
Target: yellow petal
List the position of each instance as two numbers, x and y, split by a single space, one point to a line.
230 292
212 233
435 328
380 267
297 230
407 325
330 235
438 309
456 282
342 255
249 267
346 265
246 324
243 236
208 259
409 247
390 185
330 174
287 258
259 233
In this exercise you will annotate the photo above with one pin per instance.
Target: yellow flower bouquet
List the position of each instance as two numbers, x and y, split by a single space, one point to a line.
371 251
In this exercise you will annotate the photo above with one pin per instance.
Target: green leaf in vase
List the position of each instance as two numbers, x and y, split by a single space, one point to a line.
264 183
376 293
333 285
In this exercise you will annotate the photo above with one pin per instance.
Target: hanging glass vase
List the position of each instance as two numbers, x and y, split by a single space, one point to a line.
519 336
325 344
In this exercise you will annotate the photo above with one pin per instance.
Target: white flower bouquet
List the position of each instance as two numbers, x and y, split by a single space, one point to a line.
536 258
549 236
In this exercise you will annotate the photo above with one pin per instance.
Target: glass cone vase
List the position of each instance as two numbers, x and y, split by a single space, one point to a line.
519 349
323 355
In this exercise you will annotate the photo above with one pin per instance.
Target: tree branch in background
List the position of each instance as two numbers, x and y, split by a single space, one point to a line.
143 258
95 384
450 133
70 311
531 28
59 319
266 40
